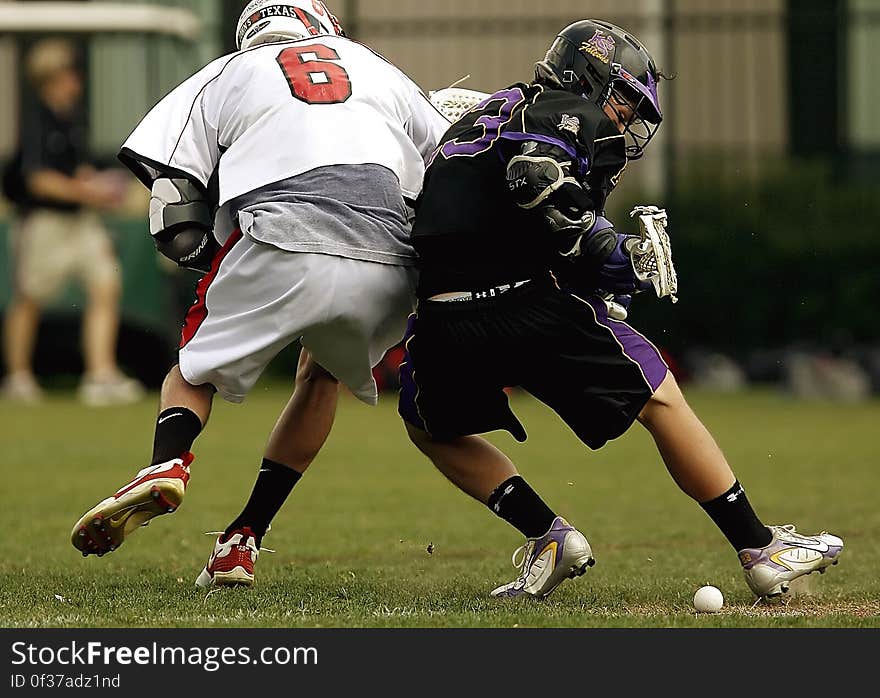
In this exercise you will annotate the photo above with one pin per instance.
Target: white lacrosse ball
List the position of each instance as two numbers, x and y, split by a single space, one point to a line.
708 599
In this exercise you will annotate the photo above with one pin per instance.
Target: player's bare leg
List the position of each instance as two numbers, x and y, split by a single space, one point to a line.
471 463
772 556
298 436
554 550
698 466
160 487
306 421
692 457
19 336
177 392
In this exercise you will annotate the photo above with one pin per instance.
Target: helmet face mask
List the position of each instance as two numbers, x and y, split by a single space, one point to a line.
606 65
644 117
268 21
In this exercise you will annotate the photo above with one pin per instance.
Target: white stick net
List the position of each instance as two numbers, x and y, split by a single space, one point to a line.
453 102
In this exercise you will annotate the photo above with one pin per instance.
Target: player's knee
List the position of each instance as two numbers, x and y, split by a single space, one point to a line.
667 396
435 449
420 438
310 371
175 382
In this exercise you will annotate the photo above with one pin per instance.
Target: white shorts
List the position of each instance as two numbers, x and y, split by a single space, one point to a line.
259 299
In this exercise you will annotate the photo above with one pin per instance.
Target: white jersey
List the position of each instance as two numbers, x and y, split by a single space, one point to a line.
279 110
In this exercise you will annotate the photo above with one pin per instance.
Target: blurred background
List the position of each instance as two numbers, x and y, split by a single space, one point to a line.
767 163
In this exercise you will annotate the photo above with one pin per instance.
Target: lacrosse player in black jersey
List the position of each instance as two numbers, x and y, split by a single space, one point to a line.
518 266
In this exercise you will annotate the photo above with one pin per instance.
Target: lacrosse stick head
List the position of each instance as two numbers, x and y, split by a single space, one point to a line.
652 256
454 102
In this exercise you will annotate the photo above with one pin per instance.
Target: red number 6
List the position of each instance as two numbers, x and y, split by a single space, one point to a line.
312 76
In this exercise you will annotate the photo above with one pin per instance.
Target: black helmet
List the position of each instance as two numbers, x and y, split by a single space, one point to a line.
598 60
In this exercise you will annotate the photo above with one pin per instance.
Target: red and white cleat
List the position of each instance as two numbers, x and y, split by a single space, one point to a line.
156 490
232 560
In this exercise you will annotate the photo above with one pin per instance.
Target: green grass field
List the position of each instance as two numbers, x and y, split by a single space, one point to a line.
352 543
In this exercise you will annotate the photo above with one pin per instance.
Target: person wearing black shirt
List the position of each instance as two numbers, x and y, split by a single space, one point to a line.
58 235
524 282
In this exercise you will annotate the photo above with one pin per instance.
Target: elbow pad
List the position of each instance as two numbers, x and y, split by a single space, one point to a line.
181 223
176 203
535 175
539 178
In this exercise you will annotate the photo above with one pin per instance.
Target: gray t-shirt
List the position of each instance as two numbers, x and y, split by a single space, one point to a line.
353 211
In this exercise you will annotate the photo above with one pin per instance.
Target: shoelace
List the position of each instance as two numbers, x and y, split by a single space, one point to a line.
789 528
261 548
526 550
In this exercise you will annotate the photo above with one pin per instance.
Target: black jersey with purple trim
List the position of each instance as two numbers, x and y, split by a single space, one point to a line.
469 231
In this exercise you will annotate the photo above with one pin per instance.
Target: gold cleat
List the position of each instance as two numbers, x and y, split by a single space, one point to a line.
156 490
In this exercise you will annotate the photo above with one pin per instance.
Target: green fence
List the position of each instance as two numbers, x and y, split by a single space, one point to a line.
789 259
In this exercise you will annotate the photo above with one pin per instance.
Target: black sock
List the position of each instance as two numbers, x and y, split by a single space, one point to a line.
176 429
519 505
274 484
733 514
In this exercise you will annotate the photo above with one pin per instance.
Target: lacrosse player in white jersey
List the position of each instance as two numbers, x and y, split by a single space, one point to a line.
285 173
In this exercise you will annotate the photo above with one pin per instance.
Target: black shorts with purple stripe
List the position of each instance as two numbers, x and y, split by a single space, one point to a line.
461 356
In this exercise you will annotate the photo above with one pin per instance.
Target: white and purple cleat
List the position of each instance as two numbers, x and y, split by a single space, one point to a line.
770 570
561 553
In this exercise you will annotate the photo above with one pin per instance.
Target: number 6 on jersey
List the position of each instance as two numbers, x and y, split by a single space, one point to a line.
313 76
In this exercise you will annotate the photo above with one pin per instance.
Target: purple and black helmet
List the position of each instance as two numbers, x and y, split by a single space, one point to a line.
596 59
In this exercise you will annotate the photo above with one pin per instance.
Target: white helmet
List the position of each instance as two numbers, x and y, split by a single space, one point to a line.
264 21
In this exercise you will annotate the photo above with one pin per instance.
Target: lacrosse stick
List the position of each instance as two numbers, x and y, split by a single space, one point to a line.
652 256
454 101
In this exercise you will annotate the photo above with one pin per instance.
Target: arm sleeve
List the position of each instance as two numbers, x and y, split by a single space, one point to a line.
178 136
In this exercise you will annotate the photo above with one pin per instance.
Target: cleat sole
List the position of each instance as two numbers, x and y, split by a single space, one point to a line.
105 527
233 578
160 499
582 569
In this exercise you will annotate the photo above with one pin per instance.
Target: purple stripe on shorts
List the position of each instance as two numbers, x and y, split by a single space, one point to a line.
409 389
635 346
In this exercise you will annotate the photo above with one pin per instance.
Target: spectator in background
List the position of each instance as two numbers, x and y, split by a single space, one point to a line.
58 234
